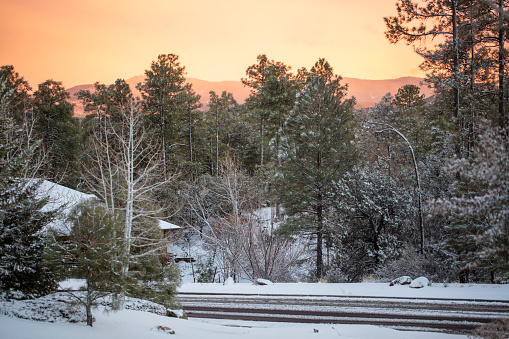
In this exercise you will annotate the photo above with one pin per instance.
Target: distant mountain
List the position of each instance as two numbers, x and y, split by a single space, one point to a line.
367 92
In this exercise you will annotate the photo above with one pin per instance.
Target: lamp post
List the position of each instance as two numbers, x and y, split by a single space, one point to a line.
388 127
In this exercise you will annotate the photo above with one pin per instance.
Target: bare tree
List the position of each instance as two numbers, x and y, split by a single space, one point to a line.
243 241
127 169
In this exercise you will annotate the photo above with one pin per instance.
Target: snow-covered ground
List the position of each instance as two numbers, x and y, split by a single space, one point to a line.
129 324
438 291
135 324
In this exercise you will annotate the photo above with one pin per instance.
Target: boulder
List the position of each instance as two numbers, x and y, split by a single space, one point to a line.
262 282
229 281
419 282
181 314
403 280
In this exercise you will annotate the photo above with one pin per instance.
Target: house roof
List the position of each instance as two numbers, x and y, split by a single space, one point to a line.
61 197
164 225
68 198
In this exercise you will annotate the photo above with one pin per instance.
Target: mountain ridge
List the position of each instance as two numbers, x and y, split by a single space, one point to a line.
367 92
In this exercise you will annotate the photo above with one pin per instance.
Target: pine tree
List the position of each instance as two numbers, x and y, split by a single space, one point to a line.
92 247
220 117
273 89
479 208
167 100
22 220
59 132
316 150
468 66
19 99
409 25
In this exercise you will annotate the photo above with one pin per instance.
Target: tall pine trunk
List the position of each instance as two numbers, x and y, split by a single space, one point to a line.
319 231
262 131
501 66
456 88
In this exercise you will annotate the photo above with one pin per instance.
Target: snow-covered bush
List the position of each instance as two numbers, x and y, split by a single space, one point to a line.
335 275
375 217
436 264
63 307
58 307
420 282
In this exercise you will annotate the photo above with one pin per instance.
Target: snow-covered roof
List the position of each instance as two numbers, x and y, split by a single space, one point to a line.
164 225
61 196
68 198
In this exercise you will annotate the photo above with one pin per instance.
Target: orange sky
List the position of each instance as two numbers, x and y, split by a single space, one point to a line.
84 41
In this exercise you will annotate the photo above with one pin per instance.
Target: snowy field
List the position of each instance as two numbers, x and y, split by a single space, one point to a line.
130 324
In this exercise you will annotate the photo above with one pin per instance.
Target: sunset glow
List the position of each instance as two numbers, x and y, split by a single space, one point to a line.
81 42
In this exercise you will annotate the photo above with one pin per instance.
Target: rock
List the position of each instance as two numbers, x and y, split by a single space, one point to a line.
403 280
181 314
229 281
165 329
262 282
419 282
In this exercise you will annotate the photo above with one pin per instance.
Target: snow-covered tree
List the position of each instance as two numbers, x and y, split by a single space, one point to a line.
373 214
92 248
316 150
22 220
479 206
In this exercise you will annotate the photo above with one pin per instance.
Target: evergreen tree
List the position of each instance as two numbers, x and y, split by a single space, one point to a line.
193 122
105 102
273 89
93 247
59 132
166 100
468 67
19 99
409 96
22 220
317 149
479 208
409 25
220 118
374 211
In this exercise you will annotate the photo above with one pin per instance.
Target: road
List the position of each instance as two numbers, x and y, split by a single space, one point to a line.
441 315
